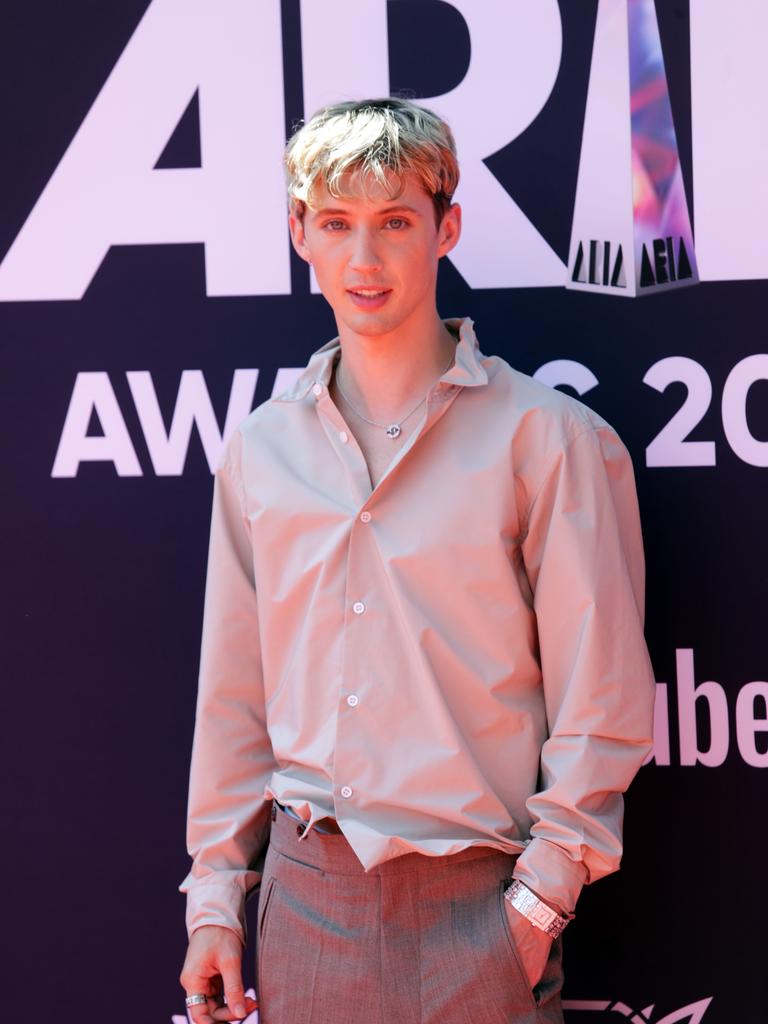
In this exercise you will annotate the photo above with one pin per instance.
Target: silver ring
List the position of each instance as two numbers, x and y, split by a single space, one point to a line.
198 997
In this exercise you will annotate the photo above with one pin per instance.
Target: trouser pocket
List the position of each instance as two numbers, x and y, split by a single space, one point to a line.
511 944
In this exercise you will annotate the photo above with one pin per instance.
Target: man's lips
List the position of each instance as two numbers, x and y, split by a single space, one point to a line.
367 297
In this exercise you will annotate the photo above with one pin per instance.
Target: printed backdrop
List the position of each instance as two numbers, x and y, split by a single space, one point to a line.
149 300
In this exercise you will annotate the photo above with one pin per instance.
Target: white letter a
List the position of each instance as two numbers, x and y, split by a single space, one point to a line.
106 191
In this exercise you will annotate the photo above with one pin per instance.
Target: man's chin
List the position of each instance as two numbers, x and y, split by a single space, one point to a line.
370 325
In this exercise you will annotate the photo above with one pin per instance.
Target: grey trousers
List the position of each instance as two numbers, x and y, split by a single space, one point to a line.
417 940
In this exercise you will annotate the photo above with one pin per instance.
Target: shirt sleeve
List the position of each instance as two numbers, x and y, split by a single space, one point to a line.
228 818
583 554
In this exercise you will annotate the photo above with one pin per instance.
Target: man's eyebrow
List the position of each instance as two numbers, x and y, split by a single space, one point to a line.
402 208
330 211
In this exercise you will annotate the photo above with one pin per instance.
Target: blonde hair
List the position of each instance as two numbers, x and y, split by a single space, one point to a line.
372 137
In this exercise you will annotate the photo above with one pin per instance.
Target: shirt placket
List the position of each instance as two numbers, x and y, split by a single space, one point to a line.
365 615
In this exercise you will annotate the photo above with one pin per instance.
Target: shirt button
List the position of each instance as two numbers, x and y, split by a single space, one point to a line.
317 388
358 607
346 791
352 700
343 436
365 517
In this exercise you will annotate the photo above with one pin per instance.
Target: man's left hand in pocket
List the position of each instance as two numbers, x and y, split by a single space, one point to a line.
532 944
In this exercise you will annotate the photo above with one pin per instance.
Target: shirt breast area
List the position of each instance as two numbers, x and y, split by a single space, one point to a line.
433 553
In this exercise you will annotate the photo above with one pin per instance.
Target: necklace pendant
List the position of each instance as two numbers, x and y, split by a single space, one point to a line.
393 430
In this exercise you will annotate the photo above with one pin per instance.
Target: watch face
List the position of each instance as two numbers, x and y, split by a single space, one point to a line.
543 915
538 913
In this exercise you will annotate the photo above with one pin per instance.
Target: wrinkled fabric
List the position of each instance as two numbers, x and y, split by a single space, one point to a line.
417 940
454 657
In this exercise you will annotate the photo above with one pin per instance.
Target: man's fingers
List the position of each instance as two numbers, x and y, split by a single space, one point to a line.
231 975
223 1014
213 967
215 1012
199 1012
195 982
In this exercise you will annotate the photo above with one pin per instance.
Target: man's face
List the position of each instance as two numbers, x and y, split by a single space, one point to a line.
376 258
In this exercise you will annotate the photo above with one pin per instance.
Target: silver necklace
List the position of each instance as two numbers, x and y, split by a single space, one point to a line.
392 429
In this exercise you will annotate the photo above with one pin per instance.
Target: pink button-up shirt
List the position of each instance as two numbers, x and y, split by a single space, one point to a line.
454 657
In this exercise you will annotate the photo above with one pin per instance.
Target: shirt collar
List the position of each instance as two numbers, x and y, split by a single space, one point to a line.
466 371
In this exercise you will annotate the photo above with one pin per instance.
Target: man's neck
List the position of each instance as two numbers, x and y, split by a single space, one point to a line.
384 375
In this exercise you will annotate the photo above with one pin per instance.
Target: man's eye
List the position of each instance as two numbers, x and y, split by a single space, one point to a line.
398 223
335 225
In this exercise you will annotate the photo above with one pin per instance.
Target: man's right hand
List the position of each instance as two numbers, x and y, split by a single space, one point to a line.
213 966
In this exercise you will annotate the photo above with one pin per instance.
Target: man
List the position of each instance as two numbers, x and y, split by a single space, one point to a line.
422 640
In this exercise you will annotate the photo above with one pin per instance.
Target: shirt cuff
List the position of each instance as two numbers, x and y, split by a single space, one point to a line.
550 872
220 902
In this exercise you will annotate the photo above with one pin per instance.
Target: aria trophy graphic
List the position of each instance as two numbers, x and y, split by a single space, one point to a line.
631 230
598 1011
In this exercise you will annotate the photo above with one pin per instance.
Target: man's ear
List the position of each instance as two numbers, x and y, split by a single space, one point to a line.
296 214
449 231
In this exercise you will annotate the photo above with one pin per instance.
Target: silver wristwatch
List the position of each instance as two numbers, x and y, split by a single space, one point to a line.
536 910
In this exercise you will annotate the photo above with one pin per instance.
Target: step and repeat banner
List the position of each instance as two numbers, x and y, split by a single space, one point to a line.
614 158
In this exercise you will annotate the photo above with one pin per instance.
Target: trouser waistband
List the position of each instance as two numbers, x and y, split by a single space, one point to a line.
322 824
332 852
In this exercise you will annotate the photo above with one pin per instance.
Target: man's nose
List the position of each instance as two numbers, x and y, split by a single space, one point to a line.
365 254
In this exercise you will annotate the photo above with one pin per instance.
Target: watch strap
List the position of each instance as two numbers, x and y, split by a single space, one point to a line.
539 913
